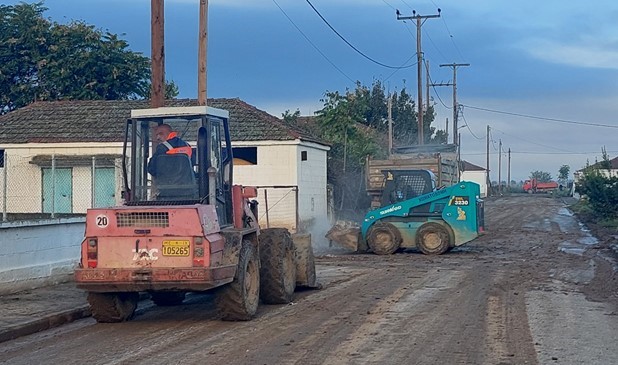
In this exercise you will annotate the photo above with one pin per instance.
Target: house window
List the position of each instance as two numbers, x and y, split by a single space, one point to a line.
245 155
1 158
303 155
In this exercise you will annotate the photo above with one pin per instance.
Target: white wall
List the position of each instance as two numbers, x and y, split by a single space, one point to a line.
479 177
22 173
33 254
312 185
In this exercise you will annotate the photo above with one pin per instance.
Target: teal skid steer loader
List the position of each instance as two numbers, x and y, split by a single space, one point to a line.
414 214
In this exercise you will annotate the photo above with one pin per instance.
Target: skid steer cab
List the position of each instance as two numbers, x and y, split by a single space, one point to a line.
414 214
186 228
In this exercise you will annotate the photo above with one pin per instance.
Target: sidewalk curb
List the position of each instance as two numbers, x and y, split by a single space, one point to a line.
49 321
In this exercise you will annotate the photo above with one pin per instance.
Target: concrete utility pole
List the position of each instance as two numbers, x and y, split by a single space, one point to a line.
500 168
157 91
420 19
202 54
455 105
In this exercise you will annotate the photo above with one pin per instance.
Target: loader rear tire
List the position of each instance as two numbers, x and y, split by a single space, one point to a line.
277 266
238 300
166 299
432 239
383 239
112 307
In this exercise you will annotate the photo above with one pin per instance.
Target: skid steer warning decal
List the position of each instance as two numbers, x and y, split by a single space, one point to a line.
461 214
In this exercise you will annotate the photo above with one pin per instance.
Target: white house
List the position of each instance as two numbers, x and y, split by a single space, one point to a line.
80 144
608 171
474 173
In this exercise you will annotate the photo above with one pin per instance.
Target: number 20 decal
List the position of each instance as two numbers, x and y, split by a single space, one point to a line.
102 221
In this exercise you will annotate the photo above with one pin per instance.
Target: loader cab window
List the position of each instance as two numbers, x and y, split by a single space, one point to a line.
404 185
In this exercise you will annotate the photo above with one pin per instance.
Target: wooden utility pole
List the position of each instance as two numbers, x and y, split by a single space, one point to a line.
488 179
157 43
509 172
446 130
390 126
202 54
427 88
420 19
500 168
455 105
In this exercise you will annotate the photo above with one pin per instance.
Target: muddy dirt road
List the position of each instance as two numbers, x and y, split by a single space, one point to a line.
537 289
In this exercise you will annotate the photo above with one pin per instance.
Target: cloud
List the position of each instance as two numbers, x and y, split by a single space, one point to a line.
589 53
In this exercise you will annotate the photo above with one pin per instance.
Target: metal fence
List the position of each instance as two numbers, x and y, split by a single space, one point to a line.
278 207
55 185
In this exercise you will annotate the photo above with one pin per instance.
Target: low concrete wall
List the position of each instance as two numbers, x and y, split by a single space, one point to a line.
38 253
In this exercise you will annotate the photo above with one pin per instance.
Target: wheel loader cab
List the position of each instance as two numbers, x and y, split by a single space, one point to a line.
180 179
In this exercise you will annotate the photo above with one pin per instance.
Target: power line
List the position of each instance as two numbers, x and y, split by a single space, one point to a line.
350 44
449 33
312 44
531 142
541 118
539 153
468 126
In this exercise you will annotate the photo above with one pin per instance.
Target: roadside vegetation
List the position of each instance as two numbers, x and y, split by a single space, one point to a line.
599 191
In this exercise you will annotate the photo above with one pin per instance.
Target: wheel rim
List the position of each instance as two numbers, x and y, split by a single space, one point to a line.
432 240
383 239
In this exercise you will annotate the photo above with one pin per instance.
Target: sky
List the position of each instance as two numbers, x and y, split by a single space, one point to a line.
543 75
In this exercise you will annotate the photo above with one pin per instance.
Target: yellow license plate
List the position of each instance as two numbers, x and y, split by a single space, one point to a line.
176 248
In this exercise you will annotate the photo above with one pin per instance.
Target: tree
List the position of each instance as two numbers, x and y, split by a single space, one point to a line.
290 117
540 176
563 174
45 60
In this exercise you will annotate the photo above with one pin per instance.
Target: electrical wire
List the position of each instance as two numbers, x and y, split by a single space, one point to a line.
531 142
514 152
350 44
449 31
468 126
541 118
436 92
312 44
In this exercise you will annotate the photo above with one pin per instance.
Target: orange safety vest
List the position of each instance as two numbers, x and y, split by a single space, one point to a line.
174 150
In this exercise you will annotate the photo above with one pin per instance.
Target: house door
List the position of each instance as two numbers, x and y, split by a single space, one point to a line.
61 194
104 187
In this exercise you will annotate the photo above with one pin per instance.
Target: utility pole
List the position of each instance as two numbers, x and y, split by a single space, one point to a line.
509 172
500 168
455 105
202 54
157 44
420 19
390 126
427 83
488 179
446 130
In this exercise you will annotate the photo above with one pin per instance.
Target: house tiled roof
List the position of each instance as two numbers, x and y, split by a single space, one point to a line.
467 166
104 121
613 164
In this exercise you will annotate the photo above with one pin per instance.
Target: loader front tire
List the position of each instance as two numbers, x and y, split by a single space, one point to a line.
383 239
432 239
238 300
112 307
277 266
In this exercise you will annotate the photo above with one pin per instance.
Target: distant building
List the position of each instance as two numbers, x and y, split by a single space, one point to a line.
474 173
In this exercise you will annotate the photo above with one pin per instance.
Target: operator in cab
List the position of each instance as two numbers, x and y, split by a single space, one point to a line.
169 144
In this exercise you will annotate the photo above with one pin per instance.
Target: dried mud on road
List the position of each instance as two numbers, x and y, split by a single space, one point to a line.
536 289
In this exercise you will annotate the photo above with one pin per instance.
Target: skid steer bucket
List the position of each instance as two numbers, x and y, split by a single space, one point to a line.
345 234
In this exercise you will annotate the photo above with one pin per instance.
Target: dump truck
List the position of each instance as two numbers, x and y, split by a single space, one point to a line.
191 231
416 214
534 186
439 159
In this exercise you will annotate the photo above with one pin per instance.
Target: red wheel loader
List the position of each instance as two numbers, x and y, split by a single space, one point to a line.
190 229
